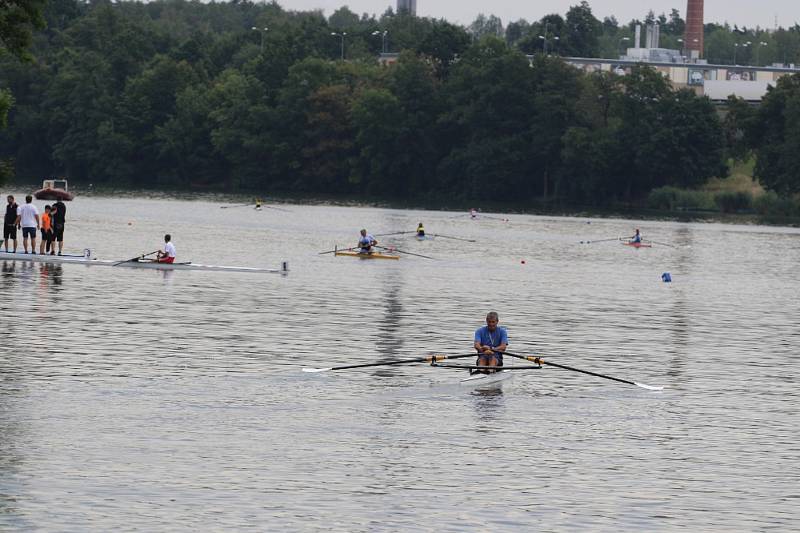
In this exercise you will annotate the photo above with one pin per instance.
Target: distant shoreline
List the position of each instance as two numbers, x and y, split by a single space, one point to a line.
560 210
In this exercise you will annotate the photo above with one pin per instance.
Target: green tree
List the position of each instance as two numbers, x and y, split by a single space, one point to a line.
490 96
775 136
676 25
583 30
737 122
329 148
556 90
378 122
18 19
444 44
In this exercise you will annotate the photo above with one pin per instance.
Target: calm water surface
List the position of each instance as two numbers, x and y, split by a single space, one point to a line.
145 400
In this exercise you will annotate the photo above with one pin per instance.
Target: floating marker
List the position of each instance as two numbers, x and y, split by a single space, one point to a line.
666 277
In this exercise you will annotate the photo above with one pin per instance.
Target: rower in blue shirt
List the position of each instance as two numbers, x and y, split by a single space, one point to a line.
366 242
637 237
490 341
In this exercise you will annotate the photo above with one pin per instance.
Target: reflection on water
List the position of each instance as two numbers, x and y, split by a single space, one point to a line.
138 399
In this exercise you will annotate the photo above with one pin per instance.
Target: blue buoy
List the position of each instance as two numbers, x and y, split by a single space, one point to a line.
666 277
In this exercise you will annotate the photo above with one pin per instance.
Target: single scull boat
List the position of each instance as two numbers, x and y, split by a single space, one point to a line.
371 255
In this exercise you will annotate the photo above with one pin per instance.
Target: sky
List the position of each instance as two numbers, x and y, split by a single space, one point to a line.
748 13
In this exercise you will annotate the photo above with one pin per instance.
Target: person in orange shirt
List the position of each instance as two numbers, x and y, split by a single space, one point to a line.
47 232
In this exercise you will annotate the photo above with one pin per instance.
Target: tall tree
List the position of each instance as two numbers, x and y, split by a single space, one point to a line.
775 136
444 44
583 30
18 19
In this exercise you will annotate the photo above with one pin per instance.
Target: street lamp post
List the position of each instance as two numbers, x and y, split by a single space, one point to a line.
622 41
557 39
342 35
265 29
383 35
758 50
544 38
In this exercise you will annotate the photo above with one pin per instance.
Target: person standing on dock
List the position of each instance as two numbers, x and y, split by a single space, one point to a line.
366 242
28 220
58 215
168 255
10 223
490 341
47 233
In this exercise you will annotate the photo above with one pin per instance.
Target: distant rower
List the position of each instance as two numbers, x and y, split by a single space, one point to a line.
490 341
473 213
420 230
366 242
168 255
637 237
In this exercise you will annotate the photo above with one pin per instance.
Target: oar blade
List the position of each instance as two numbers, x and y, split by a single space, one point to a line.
316 370
648 387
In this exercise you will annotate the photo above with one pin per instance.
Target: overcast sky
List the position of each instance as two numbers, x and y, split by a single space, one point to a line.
748 13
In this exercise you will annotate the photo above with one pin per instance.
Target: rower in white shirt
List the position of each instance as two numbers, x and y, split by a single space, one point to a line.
168 255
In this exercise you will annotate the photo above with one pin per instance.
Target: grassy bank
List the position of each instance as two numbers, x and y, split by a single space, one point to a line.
737 194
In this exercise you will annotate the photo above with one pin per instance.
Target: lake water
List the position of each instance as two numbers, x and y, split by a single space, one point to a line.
143 400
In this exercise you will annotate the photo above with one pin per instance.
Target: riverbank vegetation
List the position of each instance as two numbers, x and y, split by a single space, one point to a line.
251 97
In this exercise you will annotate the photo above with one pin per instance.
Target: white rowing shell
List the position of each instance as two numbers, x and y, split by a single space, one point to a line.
484 380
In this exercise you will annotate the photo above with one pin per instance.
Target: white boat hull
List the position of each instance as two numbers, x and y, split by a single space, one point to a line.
82 260
486 380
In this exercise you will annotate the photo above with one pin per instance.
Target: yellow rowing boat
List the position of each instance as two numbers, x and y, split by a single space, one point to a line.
372 255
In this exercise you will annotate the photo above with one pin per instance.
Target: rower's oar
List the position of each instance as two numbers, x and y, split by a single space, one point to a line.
540 361
402 252
492 218
276 208
237 205
602 240
339 250
135 258
428 359
394 233
449 237
661 243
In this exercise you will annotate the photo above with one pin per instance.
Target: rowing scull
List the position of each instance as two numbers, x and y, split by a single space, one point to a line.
84 260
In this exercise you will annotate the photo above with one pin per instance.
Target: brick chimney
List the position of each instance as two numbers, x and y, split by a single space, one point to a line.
693 37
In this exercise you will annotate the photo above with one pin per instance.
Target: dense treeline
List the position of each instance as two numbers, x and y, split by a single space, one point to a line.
249 96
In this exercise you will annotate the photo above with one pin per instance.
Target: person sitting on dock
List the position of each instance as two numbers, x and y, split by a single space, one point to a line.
420 230
366 242
637 237
490 341
168 255
46 227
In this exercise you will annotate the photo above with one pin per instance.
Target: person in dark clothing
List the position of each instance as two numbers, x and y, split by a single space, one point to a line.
10 223
59 214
